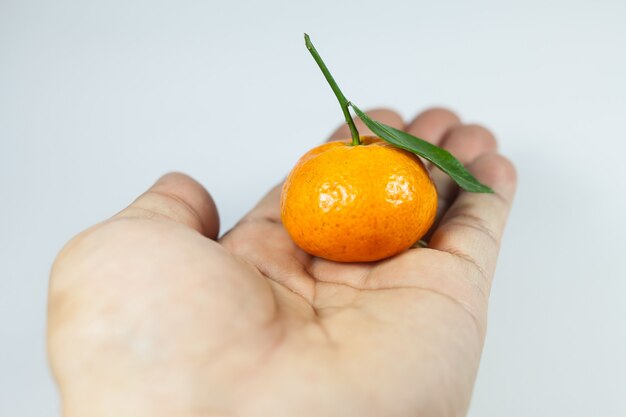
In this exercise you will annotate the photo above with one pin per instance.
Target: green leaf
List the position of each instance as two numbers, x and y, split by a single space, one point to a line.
443 159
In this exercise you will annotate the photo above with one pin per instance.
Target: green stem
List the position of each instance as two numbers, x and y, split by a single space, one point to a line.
343 102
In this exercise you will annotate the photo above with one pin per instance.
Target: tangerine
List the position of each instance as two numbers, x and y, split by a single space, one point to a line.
358 203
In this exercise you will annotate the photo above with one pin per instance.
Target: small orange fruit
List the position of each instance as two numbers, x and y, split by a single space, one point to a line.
358 203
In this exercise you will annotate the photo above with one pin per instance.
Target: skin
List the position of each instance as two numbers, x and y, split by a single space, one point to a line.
151 315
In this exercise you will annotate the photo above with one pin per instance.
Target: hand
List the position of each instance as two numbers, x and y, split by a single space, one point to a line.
150 315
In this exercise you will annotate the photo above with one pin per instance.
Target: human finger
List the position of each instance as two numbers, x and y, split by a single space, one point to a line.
466 143
472 228
432 124
179 198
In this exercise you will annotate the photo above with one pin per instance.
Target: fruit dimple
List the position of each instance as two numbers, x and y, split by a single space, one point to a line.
357 203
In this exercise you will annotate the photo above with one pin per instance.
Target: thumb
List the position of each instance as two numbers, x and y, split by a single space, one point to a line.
179 198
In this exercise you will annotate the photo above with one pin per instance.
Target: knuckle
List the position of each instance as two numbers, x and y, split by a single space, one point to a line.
470 221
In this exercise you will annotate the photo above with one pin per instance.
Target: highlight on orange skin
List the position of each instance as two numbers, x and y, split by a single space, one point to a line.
358 203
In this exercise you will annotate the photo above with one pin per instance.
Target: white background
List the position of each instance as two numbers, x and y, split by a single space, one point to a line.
99 98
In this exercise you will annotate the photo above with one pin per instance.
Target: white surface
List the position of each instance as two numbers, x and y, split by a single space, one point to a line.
99 98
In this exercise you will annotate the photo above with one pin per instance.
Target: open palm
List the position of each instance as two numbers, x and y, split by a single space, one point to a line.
149 314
